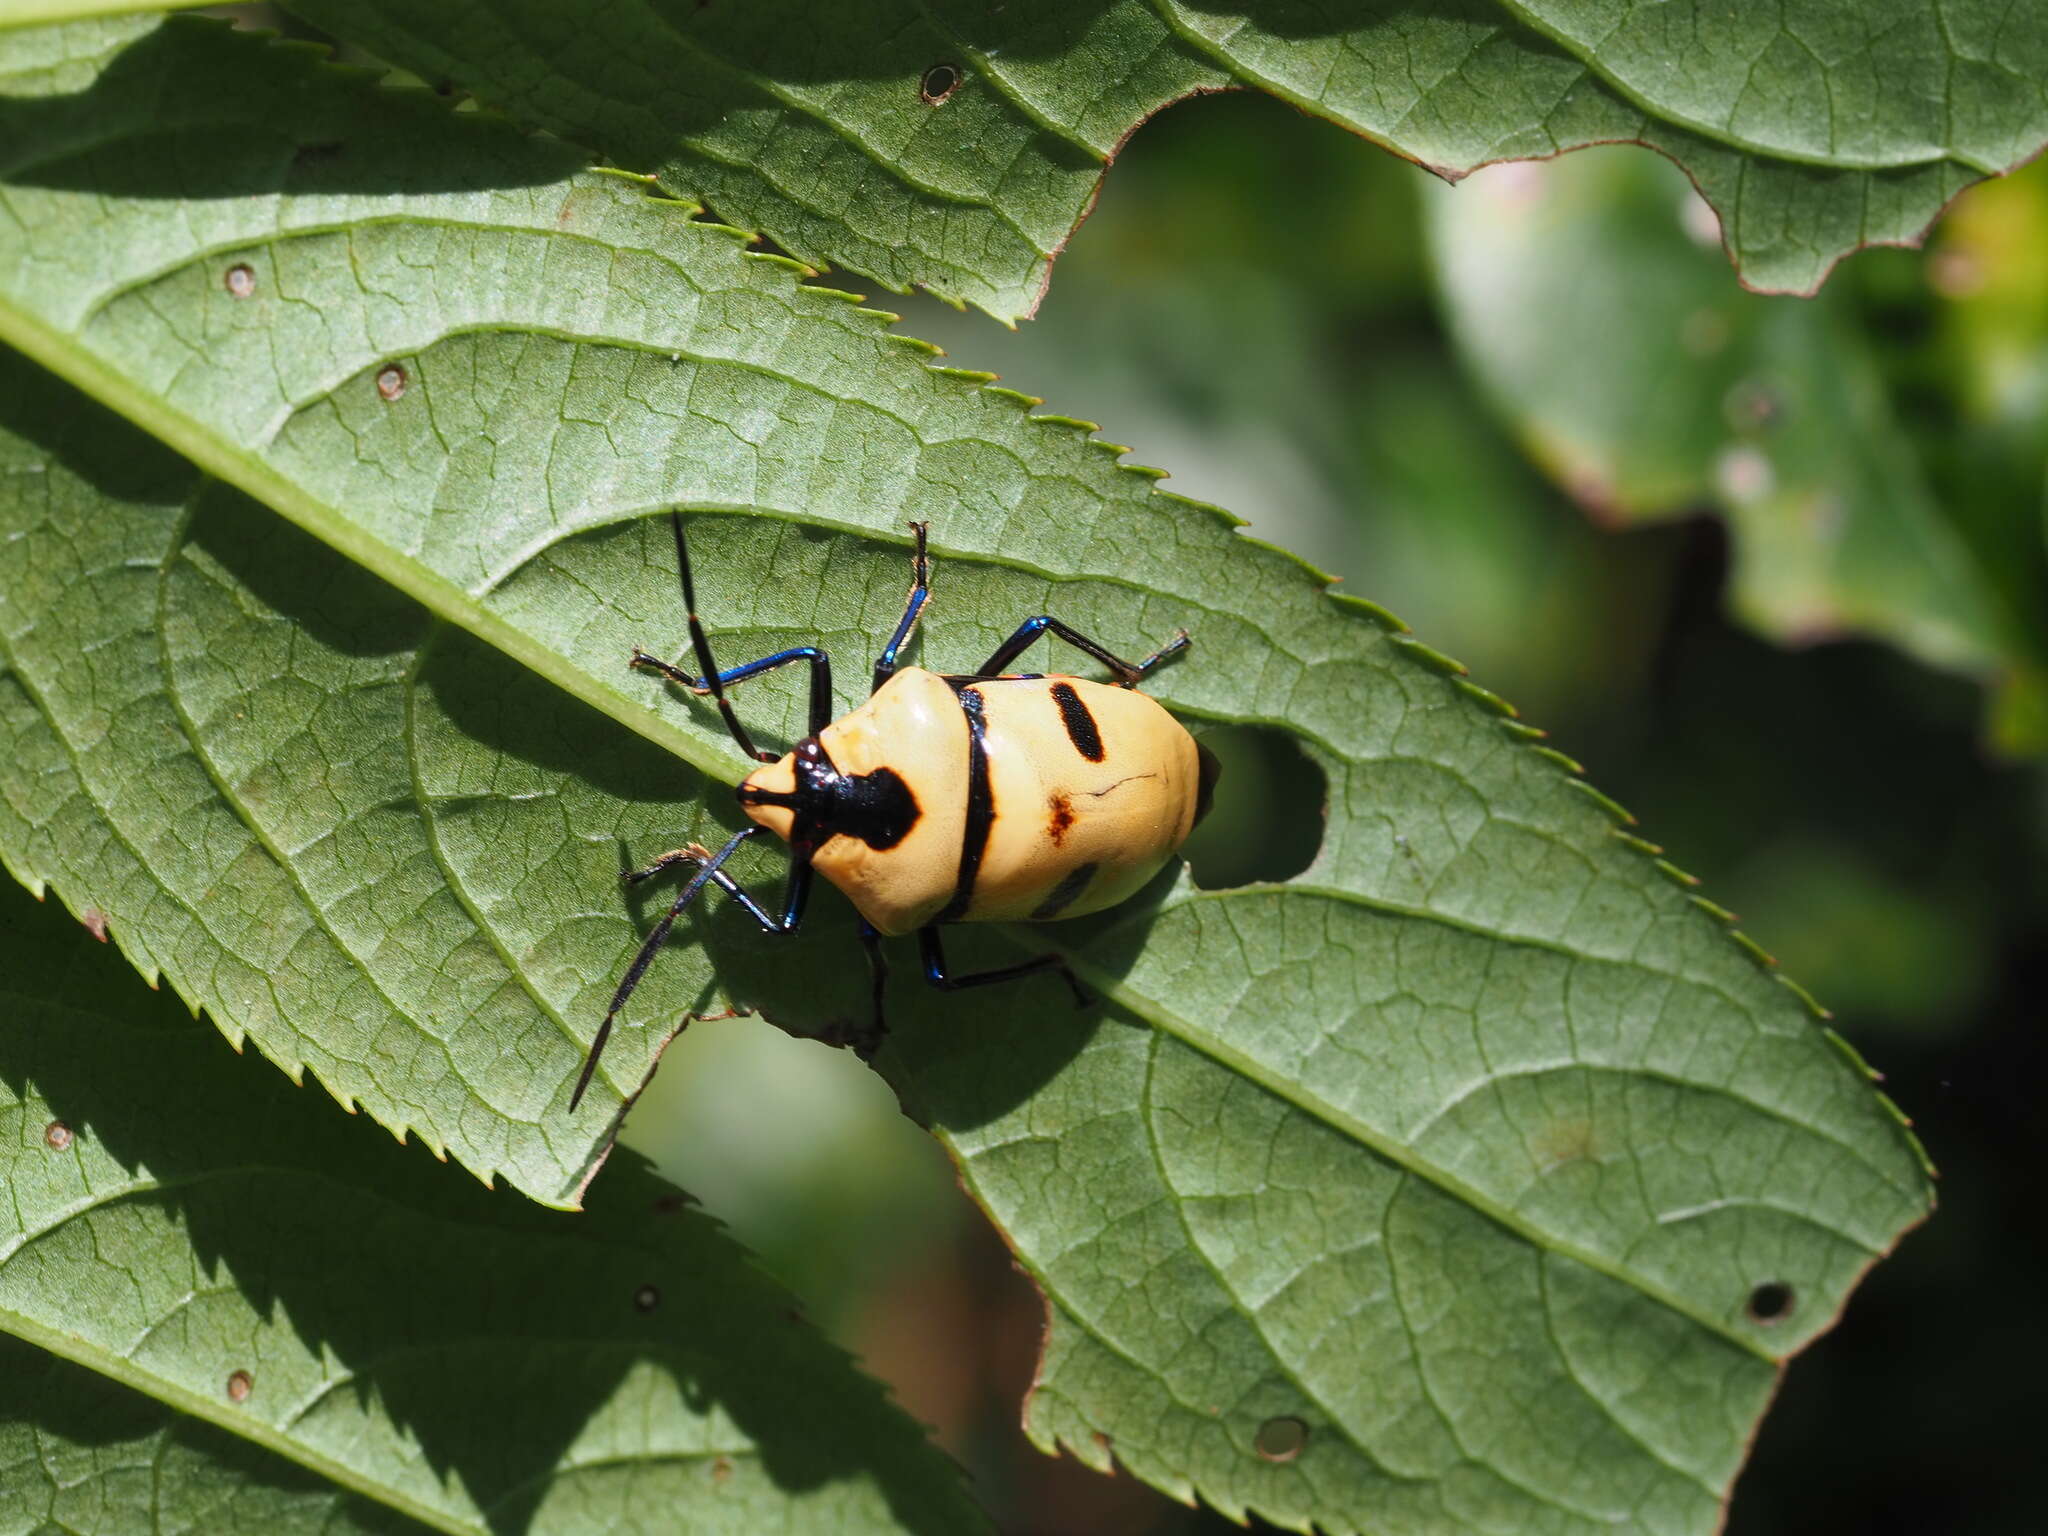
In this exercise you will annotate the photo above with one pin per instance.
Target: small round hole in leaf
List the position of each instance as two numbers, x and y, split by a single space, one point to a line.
1265 819
1281 1439
57 1135
239 1387
240 280
1770 1302
939 82
391 381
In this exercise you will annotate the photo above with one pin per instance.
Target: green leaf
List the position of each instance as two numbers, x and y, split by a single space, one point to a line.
1813 130
79 1453
1773 409
189 1225
1468 1148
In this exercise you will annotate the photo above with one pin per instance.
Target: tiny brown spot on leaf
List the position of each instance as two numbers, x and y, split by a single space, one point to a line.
391 381
1280 1439
1565 1141
95 923
721 1469
240 280
239 1387
58 1135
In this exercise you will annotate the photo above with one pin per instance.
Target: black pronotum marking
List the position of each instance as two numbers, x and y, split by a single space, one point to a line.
1081 727
877 808
981 807
1063 895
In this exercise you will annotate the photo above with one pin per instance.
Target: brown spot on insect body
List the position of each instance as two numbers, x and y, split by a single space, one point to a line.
57 1135
1059 819
239 1387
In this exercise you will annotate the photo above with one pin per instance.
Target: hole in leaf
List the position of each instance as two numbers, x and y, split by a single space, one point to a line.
1266 820
57 1134
1280 1439
1770 1302
240 280
939 82
391 381
647 1298
239 1387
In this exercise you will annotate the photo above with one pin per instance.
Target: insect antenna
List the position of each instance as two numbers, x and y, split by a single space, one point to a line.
701 644
707 871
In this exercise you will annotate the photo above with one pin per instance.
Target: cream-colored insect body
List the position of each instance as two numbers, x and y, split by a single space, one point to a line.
989 797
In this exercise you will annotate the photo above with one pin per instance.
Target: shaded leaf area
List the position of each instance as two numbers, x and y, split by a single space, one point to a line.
79 1453
956 144
191 1226
1484 1034
1778 412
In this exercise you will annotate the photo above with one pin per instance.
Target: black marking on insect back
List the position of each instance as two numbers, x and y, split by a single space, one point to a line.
1081 728
981 806
877 808
1064 895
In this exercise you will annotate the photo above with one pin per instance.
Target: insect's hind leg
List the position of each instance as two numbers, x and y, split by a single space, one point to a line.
934 955
1031 630
866 1045
920 590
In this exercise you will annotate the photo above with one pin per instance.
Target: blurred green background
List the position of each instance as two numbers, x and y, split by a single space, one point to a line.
1772 569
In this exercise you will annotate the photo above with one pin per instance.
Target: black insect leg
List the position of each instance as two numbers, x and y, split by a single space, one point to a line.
935 969
710 871
714 682
878 970
796 894
1127 672
920 590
